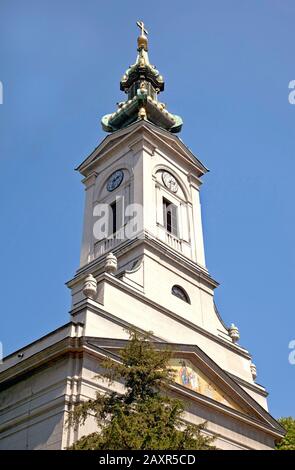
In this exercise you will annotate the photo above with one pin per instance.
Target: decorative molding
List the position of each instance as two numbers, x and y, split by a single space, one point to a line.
105 347
216 373
140 296
198 272
164 137
194 181
90 180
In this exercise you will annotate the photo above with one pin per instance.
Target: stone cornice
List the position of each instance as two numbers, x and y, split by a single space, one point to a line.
190 351
192 268
87 345
68 325
40 358
176 144
194 181
218 375
151 132
97 346
195 270
254 387
275 431
89 180
96 308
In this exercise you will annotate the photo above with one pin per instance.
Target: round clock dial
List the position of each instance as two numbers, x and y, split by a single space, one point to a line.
115 180
169 181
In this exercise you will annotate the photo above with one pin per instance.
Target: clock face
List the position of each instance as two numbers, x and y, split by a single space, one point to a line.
169 181
115 180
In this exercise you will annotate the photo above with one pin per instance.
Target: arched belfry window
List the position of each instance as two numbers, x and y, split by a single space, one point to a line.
180 293
170 217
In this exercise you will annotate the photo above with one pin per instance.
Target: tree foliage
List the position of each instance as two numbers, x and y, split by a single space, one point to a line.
144 417
288 442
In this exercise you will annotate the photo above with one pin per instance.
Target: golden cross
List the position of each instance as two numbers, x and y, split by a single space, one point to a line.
140 24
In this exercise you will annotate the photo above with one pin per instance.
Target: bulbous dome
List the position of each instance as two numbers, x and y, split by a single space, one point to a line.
142 42
142 83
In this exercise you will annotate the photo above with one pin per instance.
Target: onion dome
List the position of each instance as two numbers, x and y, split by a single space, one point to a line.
142 83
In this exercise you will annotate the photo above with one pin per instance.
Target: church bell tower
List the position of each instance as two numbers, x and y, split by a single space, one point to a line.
142 258
142 266
143 218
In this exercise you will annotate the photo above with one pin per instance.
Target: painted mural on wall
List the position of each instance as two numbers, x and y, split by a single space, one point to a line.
188 375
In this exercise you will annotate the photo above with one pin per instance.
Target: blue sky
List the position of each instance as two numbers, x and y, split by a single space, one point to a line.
227 67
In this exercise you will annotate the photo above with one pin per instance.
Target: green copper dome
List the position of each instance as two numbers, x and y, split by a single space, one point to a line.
142 83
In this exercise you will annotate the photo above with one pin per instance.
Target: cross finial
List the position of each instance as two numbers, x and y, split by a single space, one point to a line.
140 24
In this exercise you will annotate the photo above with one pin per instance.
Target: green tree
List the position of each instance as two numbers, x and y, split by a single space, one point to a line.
144 417
288 442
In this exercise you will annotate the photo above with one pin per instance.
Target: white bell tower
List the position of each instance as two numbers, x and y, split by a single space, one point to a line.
143 205
142 208
142 266
150 186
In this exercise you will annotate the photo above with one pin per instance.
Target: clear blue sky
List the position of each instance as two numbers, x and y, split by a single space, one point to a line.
227 66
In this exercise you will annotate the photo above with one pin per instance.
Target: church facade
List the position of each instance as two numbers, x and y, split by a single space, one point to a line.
142 266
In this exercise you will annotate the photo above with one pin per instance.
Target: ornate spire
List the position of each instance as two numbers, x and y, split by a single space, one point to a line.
142 83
